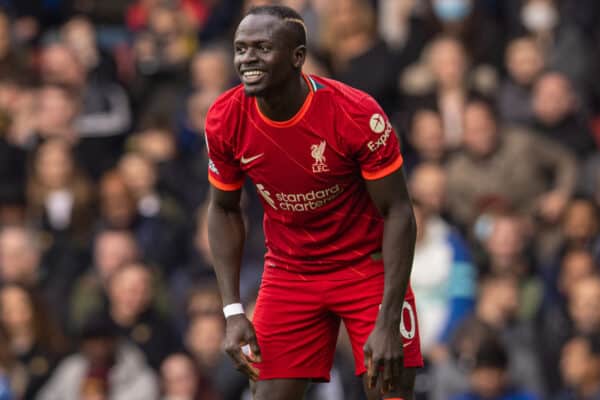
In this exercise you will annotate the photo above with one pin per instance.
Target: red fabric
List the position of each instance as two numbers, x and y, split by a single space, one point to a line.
309 173
297 324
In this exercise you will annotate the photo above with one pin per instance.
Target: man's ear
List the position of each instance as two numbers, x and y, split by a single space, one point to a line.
299 56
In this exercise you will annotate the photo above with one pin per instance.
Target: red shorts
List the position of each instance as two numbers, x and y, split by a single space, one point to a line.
297 324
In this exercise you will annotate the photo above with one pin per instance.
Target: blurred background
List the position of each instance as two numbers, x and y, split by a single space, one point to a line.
107 289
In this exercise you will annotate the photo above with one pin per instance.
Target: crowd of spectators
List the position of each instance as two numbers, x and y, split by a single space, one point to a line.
106 284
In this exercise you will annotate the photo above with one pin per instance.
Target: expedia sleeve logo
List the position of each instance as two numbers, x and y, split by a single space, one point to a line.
379 125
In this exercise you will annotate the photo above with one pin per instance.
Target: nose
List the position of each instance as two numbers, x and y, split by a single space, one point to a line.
248 57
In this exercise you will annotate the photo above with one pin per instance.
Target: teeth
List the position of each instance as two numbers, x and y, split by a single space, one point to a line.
252 73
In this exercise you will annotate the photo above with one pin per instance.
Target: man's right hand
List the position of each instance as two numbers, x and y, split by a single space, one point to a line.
240 332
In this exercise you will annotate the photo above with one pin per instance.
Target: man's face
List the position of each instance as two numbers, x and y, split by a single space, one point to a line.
263 56
479 135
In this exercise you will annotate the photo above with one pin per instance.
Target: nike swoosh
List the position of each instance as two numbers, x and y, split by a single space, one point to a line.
406 344
245 160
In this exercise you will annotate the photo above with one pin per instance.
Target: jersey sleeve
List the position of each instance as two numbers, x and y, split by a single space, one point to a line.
224 170
372 139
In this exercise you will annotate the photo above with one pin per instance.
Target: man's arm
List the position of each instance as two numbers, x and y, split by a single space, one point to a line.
384 346
226 236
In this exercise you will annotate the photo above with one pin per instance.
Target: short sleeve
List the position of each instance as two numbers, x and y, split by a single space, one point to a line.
224 170
372 139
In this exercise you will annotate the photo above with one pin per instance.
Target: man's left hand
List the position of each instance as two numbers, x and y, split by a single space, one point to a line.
384 357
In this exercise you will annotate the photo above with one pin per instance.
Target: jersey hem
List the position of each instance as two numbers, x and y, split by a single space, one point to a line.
228 187
385 171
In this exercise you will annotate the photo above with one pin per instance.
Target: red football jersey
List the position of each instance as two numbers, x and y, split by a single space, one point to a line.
309 171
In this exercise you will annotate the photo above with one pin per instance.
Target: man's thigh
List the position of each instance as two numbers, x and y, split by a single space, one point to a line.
279 389
358 303
296 333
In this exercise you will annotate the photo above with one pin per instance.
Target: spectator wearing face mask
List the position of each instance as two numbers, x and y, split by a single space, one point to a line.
465 21
564 47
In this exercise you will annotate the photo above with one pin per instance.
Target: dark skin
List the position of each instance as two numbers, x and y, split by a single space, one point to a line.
264 43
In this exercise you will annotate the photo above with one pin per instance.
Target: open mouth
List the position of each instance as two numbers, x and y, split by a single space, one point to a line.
252 76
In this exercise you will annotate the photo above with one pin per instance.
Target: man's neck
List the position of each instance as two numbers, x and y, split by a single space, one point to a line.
286 101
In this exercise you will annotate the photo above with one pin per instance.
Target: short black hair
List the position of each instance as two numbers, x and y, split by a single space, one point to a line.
294 21
491 354
98 326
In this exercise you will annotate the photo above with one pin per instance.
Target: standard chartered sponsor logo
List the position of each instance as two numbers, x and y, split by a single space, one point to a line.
373 145
300 202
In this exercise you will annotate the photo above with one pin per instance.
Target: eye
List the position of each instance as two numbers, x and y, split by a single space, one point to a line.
240 50
265 48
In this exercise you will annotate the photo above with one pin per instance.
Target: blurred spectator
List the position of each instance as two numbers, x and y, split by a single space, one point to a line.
507 252
157 238
450 374
131 291
32 337
495 314
193 13
426 137
428 186
464 20
20 256
443 278
350 41
590 179
57 109
211 69
104 114
60 198
489 376
402 29
579 229
443 81
580 368
140 175
524 62
558 115
111 250
12 176
161 54
12 377
103 367
181 381
204 339
507 164
11 59
565 49
582 317
157 142
80 35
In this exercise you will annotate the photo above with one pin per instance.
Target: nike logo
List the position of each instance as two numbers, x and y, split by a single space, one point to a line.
407 343
248 160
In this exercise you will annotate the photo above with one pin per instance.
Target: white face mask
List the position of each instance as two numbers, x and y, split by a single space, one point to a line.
538 16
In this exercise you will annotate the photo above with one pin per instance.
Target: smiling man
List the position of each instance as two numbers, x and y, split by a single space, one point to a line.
338 223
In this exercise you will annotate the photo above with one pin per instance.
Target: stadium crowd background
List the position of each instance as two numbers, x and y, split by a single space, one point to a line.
103 247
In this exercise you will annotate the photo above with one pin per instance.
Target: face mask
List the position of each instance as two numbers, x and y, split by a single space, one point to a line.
539 17
451 10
